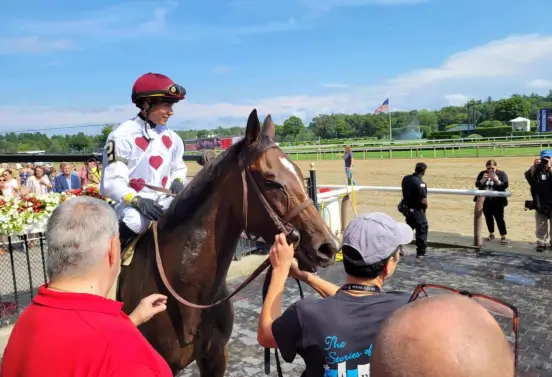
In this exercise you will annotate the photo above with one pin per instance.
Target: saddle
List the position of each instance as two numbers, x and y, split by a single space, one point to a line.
127 254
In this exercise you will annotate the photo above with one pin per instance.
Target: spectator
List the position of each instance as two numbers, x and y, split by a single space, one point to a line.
24 173
326 332
66 180
71 328
89 173
414 205
53 174
493 207
11 186
39 183
539 177
445 335
348 159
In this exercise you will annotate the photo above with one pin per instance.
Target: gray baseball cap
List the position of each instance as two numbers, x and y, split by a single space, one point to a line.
375 236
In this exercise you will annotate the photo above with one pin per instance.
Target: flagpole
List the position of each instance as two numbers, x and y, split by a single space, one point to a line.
389 113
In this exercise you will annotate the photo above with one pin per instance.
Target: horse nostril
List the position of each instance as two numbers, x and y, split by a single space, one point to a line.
327 250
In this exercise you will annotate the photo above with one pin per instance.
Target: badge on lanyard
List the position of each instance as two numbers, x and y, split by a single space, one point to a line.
543 177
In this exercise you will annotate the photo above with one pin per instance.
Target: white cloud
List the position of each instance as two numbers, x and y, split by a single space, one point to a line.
540 84
221 69
33 45
456 99
496 69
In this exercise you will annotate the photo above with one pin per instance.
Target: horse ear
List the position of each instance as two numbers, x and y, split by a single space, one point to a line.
253 128
268 128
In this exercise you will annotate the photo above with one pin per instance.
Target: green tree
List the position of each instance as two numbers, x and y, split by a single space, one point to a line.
79 142
293 126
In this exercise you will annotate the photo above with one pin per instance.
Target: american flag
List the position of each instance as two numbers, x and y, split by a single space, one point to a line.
384 107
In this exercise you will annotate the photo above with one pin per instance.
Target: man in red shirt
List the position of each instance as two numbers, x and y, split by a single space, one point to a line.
71 329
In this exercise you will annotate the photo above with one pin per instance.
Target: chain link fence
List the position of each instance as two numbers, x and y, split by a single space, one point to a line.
22 271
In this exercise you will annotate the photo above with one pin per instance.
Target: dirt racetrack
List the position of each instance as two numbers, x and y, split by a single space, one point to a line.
446 213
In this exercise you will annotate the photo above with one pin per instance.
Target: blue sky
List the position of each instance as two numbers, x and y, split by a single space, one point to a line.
66 63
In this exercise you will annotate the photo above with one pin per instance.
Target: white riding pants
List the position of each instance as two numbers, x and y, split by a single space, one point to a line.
134 219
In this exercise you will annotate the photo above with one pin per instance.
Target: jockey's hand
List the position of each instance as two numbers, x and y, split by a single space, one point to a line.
147 207
177 186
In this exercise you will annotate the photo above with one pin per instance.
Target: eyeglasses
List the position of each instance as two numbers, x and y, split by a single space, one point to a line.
493 305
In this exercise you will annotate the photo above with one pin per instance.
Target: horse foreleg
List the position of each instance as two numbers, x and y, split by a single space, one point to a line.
211 343
213 360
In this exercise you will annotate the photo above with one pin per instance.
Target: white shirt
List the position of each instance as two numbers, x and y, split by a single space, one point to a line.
135 155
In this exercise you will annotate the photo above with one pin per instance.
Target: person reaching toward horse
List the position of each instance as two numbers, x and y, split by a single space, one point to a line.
71 328
143 160
372 249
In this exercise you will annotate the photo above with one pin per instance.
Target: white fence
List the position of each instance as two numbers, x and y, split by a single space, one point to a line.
334 204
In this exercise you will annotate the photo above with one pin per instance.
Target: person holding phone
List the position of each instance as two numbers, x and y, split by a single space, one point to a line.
493 207
539 178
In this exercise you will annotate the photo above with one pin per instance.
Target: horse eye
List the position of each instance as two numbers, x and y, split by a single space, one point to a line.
272 184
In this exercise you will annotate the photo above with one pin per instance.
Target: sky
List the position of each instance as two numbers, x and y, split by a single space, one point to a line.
66 64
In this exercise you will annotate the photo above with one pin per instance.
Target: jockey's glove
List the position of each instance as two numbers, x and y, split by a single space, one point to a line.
147 207
177 186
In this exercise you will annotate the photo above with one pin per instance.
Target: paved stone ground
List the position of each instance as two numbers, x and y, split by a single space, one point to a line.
522 280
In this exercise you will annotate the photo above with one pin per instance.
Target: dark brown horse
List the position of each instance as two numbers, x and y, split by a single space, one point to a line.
197 238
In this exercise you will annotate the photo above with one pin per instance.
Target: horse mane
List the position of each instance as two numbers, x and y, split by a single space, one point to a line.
185 205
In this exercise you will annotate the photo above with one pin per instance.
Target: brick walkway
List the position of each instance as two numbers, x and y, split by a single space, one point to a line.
525 281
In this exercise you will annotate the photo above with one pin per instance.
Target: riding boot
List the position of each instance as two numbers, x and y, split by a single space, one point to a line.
125 235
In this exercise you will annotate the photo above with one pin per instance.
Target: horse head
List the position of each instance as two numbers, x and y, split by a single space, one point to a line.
276 197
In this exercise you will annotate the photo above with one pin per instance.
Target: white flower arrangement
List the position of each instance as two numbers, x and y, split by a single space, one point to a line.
29 214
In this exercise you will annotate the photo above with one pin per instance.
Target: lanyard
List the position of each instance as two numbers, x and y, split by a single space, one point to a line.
360 287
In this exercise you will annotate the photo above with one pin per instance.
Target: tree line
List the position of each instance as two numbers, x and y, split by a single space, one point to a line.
491 118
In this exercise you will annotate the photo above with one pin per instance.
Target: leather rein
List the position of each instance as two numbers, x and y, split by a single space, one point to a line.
247 177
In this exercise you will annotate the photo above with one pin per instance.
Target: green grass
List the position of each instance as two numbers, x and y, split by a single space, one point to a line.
428 153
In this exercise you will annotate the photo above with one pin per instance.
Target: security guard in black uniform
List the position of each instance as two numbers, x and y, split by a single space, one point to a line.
414 204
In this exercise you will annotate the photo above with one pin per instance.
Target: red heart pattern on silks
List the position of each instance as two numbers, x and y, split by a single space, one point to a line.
167 141
164 181
142 143
156 161
137 184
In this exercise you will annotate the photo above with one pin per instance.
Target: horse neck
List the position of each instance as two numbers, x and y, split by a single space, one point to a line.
208 242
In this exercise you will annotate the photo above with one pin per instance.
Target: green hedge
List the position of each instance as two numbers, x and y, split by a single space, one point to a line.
442 135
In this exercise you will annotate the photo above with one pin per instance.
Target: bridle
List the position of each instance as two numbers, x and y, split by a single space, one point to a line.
282 225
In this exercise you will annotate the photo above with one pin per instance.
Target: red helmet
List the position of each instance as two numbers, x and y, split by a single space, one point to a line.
157 85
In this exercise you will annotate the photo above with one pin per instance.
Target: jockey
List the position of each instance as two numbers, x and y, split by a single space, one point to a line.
143 151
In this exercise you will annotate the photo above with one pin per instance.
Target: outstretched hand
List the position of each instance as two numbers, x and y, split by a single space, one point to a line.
148 307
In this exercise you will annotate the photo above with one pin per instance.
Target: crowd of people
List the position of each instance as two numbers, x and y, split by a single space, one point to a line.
414 203
21 180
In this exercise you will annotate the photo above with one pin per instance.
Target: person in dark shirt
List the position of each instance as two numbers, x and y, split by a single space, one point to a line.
335 335
414 205
539 177
348 158
493 207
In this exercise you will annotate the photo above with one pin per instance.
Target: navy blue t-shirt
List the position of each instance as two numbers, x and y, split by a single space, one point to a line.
335 335
348 157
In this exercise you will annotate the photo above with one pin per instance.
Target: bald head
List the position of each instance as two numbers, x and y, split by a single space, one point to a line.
448 335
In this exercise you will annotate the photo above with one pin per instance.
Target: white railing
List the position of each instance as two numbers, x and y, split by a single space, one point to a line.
336 203
387 143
